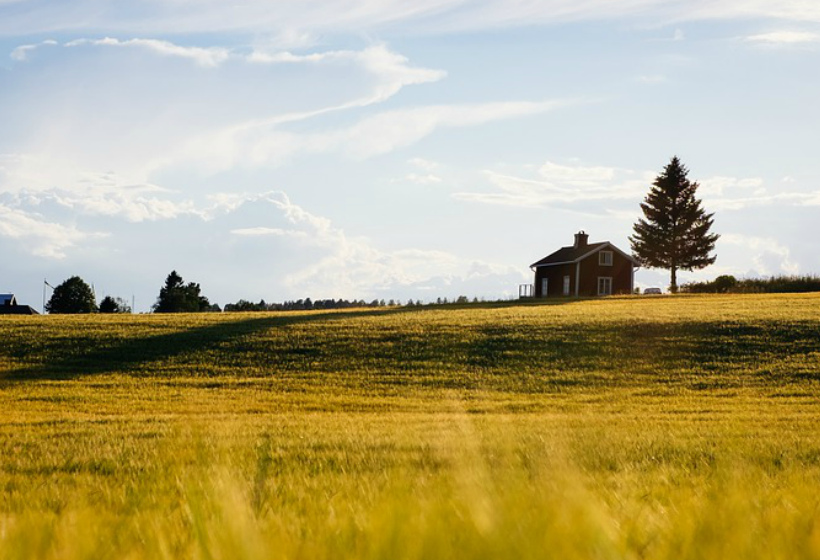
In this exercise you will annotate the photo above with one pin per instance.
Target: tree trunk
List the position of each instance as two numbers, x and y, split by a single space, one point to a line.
673 286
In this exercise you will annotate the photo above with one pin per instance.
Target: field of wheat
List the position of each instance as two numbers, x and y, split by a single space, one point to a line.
638 427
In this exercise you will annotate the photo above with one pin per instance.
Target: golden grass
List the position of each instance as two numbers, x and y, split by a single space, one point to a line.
680 427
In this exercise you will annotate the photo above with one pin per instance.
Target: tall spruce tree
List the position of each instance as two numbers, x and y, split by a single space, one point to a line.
675 232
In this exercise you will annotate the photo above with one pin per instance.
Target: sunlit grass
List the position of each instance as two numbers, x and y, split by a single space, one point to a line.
680 427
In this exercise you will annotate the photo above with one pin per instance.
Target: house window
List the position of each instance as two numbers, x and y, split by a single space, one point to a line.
545 287
605 258
604 285
566 285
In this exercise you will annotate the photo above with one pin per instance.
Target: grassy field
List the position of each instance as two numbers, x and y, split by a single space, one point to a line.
670 427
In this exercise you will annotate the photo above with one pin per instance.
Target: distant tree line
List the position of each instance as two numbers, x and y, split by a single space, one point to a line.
176 296
308 304
728 284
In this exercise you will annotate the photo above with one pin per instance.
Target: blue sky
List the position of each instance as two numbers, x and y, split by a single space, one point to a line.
365 149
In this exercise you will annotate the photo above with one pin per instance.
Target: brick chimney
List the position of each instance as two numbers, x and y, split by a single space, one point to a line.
581 239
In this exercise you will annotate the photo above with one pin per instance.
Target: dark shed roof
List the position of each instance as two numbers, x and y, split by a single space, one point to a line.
9 306
566 255
17 310
569 254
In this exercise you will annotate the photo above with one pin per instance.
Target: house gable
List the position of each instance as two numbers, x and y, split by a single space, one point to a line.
606 245
569 255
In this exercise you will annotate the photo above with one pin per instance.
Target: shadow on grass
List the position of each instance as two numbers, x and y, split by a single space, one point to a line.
691 353
84 356
66 357
533 355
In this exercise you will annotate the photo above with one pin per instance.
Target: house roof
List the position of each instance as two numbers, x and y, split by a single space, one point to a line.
17 310
570 255
8 299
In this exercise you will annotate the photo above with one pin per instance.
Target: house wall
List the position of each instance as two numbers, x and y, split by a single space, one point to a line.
620 272
555 275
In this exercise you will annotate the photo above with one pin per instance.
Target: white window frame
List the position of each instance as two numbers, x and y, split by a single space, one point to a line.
545 285
567 285
605 258
605 285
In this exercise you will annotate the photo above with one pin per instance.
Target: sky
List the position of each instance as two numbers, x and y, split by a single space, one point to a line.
386 149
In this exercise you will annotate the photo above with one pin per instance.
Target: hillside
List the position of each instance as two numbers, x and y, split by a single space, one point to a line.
668 427
731 341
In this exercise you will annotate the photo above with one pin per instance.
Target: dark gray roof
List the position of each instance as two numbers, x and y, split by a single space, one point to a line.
7 299
566 255
17 310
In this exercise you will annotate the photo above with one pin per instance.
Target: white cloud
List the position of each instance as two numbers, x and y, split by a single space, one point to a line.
288 39
207 57
428 179
424 164
769 257
784 38
176 136
344 266
741 203
129 204
35 235
264 231
566 185
652 79
39 180
378 58
338 265
355 267
390 130
298 21
576 175
265 141
285 57
392 68
562 185
719 186
22 52
732 193
262 140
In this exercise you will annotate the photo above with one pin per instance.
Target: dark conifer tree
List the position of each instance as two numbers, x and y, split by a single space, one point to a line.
675 232
177 297
114 305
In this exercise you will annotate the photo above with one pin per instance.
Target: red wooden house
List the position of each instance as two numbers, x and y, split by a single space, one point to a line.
585 269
